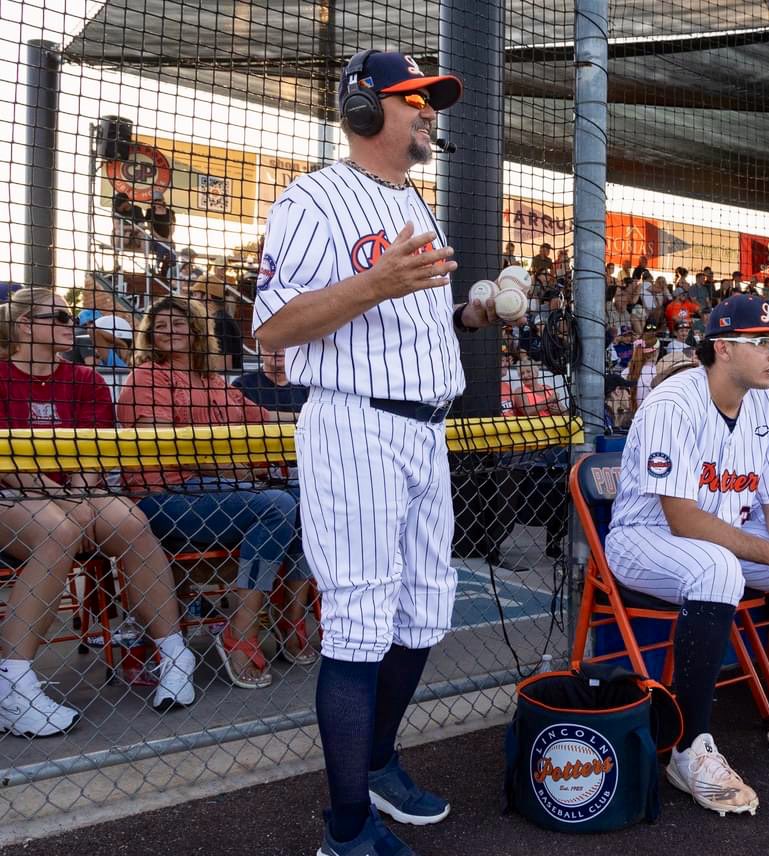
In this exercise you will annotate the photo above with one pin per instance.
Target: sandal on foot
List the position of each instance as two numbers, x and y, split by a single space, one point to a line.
226 643
282 628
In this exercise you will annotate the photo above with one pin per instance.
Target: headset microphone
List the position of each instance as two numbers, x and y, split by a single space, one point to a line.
445 146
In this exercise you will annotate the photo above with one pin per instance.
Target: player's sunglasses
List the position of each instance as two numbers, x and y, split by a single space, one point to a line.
757 342
60 316
413 99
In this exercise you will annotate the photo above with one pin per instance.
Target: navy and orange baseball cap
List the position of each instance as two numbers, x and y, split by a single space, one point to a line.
389 72
741 313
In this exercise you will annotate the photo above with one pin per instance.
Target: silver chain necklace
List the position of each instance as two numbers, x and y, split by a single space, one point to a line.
367 172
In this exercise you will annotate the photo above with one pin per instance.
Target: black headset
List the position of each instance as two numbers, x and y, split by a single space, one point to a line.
361 107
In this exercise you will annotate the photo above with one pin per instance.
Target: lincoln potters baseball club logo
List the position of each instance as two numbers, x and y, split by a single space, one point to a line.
573 772
145 171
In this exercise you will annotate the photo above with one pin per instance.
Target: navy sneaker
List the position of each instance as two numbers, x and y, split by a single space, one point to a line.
375 839
393 792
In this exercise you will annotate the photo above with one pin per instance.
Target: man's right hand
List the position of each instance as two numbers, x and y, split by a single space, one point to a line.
406 267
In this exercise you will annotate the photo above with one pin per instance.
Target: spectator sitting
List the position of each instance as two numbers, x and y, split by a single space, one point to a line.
128 233
609 275
48 518
621 348
625 271
161 220
682 337
737 282
530 336
680 308
270 387
186 271
700 293
699 325
112 340
680 280
617 410
509 257
641 368
563 267
533 397
542 261
641 268
175 383
210 293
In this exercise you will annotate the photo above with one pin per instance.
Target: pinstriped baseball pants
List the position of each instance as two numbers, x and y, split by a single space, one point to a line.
377 525
652 560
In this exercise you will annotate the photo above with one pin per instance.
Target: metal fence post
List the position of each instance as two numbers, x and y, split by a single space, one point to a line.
43 63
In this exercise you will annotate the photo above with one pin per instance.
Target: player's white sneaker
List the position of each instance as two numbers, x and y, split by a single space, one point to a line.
704 773
175 686
26 711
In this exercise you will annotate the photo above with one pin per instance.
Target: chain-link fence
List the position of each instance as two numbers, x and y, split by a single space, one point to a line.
146 442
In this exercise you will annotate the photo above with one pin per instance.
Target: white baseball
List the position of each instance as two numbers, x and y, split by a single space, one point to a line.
483 290
511 305
514 277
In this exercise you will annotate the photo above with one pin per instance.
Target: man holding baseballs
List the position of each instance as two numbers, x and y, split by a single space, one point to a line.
355 284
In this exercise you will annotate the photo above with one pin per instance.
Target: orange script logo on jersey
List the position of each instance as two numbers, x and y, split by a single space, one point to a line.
369 249
727 480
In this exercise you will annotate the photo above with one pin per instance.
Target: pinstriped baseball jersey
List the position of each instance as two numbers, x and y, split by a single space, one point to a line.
679 445
328 226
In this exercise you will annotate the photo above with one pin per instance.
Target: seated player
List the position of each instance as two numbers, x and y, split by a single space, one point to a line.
693 467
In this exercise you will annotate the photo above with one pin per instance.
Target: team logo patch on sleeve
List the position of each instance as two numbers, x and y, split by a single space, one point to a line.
659 465
267 270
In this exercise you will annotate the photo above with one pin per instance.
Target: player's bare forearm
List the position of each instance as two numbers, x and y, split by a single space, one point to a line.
688 521
315 314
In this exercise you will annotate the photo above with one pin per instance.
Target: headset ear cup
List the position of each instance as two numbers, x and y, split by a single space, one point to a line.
364 114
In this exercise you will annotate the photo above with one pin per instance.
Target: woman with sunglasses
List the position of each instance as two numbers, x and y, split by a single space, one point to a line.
49 517
176 382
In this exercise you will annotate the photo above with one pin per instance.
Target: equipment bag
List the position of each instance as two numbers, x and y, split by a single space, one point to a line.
582 748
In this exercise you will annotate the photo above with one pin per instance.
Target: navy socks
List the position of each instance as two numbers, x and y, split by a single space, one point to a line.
702 634
399 675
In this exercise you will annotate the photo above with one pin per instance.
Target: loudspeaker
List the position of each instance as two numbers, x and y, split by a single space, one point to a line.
113 138
361 107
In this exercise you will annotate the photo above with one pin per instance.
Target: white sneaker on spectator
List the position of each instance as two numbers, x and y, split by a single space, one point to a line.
26 711
704 773
175 686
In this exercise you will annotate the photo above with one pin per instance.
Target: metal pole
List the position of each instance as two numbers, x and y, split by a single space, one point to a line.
43 63
590 114
470 182
327 82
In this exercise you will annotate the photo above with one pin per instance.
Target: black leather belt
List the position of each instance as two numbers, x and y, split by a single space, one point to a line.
412 409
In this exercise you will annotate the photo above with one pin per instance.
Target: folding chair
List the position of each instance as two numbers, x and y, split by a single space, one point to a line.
605 602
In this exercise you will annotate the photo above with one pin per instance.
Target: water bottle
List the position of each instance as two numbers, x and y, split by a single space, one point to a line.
136 652
545 664
194 614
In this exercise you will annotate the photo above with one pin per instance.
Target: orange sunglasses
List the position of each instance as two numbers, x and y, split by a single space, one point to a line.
413 99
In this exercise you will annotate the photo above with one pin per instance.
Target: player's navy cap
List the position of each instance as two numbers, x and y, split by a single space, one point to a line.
390 72
741 313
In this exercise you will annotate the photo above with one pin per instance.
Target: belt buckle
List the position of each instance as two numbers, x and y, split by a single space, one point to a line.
440 412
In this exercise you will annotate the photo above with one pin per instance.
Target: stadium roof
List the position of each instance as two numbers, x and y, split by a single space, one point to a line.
687 80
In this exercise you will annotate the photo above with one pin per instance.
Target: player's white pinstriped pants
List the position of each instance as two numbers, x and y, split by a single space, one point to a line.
377 524
652 560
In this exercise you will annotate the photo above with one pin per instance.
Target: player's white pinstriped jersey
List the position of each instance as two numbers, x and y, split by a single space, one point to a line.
679 445
327 226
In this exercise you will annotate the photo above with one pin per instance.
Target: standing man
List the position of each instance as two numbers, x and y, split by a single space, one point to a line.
355 284
693 475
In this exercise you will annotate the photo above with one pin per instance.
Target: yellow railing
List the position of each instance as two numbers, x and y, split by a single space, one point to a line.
44 449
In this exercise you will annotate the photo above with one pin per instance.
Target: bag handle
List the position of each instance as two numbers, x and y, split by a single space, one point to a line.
649 780
667 713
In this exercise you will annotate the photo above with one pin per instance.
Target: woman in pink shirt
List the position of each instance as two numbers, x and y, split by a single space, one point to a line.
47 518
175 382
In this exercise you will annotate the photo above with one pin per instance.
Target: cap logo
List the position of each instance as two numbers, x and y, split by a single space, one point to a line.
366 83
726 321
765 313
411 66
